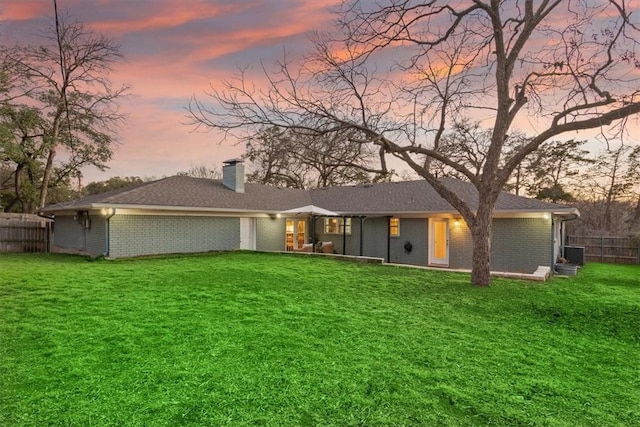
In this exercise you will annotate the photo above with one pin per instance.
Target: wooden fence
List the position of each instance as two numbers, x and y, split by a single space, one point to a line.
614 250
24 233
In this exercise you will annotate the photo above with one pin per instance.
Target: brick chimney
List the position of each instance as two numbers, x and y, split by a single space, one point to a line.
233 175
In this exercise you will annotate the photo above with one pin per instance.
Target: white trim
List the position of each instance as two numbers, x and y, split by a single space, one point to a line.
132 209
125 211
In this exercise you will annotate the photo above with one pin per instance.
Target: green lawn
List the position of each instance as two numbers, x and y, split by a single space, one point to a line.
270 339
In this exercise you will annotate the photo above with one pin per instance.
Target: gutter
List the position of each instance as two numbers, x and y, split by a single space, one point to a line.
41 215
571 217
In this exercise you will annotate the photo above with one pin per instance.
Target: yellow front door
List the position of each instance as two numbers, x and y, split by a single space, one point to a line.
439 241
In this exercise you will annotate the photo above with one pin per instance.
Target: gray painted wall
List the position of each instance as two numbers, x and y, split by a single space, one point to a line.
413 230
375 240
517 245
352 240
72 236
96 236
67 233
375 237
460 245
270 234
134 235
521 244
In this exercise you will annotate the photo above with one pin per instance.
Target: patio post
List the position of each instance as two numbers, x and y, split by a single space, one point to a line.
313 233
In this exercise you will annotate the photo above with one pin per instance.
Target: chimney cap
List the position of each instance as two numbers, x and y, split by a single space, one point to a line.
233 161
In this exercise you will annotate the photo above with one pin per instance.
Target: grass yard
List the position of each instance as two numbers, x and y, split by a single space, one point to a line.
270 339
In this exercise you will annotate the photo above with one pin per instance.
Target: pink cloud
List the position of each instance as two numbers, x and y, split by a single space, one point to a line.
17 10
163 15
174 49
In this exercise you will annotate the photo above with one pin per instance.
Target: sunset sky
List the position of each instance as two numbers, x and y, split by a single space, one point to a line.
177 49
174 49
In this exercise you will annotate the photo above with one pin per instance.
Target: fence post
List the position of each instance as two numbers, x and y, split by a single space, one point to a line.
601 248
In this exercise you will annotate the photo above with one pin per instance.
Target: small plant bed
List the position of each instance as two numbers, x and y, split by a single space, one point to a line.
269 339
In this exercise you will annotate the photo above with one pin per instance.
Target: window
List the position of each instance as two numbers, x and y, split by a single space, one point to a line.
337 225
394 227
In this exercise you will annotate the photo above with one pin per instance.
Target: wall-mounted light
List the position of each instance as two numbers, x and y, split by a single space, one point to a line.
456 222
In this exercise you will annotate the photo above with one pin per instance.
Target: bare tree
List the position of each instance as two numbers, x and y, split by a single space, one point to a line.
565 66
202 171
467 144
634 225
555 170
610 181
66 79
299 160
111 184
634 165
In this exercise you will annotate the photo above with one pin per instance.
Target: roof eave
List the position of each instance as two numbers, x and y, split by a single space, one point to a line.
165 208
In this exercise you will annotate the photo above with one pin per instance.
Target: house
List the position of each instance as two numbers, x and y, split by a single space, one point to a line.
402 222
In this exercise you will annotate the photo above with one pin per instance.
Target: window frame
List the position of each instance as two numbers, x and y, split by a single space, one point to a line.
339 227
392 227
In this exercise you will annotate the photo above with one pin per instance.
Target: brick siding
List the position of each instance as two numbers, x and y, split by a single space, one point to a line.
134 235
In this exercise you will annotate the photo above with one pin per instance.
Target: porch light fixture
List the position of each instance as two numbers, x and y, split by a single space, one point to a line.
108 211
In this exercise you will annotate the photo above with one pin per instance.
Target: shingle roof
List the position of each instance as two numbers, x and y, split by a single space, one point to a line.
415 196
190 193
389 197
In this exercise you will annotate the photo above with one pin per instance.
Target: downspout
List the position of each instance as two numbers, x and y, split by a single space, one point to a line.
107 232
41 215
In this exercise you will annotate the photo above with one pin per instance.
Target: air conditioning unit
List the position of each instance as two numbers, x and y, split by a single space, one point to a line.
575 254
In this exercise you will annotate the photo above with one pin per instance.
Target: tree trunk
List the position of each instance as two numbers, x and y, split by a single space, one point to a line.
481 260
46 178
635 222
17 185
